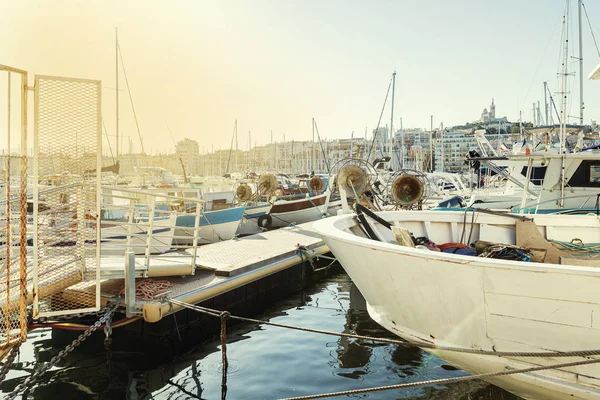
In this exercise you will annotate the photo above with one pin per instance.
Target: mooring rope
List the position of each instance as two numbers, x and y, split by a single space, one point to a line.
224 315
444 381
541 354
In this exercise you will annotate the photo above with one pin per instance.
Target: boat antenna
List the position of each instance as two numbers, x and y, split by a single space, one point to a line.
130 98
185 178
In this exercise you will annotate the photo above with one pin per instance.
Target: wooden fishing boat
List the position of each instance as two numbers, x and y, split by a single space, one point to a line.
288 212
436 298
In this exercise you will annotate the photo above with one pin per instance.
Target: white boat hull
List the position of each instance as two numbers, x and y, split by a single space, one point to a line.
249 224
473 302
114 239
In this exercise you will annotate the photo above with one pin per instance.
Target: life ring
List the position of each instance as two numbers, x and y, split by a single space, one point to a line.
265 221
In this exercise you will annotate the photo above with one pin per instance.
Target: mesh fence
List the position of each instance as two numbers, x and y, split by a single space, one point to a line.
14 245
67 122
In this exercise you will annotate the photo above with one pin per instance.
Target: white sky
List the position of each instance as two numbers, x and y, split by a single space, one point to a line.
273 65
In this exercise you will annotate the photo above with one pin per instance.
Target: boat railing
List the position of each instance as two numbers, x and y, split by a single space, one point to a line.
148 219
593 200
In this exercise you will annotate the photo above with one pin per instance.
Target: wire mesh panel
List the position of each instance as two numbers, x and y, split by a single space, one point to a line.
67 152
14 244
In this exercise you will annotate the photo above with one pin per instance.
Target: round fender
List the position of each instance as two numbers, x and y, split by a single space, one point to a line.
265 221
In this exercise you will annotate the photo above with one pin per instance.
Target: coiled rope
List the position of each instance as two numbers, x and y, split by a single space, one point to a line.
148 289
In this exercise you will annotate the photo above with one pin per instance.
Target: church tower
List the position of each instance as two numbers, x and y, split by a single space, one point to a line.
492 110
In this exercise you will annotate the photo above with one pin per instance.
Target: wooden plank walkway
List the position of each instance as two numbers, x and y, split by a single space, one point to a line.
220 267
234 257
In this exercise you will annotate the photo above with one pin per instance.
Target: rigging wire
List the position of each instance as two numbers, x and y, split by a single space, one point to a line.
131 99
230 149
541 61
379 122
321 144
590 25
108 140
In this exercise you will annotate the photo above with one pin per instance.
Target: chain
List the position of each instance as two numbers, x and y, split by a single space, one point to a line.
9 360
31 379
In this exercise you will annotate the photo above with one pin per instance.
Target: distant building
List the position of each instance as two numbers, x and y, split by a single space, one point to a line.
189 151
451 149
489 117
187 147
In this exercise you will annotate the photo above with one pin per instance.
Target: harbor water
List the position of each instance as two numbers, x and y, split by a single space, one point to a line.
265 362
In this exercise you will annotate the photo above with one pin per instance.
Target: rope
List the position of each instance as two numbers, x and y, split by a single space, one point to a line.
148 289
543 354
445 380
211 227
283 220
592 248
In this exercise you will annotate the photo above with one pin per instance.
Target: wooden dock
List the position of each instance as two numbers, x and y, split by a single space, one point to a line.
224 266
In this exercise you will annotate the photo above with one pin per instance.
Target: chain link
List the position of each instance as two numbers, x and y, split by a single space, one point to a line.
14 350
31 379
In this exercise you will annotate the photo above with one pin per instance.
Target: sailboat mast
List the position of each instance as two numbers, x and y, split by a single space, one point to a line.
250 150
546 103
117 87
391 141
236 147
563 110
312 162
580 68
431 145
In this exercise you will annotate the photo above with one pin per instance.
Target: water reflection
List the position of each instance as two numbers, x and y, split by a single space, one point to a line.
265 362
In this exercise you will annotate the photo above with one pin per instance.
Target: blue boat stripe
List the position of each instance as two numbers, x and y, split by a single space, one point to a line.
256 215
137 233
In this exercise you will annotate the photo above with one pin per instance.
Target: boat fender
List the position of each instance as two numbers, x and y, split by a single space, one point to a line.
152 312
265 221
